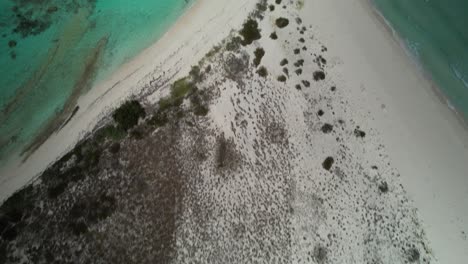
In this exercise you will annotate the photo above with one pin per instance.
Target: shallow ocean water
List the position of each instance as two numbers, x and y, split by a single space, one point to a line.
51 51
435 32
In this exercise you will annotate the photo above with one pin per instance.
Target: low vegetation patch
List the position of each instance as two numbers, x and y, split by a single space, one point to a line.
198 101
179 90
111 132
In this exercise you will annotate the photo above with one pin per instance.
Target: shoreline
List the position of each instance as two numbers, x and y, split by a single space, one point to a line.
417 64
129 80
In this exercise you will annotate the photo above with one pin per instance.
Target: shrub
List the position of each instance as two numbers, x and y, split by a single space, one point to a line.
281 78
282 22
195 73
128 114
328 163
319 75
114 148
234 44
273 36
259 53
199 108
262 71
179 90
250 32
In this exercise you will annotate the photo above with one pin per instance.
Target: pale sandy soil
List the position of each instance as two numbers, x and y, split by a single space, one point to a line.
413 142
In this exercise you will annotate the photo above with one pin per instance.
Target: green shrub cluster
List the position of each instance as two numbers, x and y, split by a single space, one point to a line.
250 32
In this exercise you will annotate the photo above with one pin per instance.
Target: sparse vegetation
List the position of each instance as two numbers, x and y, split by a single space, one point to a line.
213 51
88 212
320 254
283 62
159 119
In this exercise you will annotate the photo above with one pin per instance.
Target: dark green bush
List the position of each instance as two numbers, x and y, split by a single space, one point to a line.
281 78
159 119
128 114
250 32
262 71
259 53
282 22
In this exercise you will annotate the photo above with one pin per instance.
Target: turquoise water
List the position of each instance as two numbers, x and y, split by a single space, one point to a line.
436 33
52 51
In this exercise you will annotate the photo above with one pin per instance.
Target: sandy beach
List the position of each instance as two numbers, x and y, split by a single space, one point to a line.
398 170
